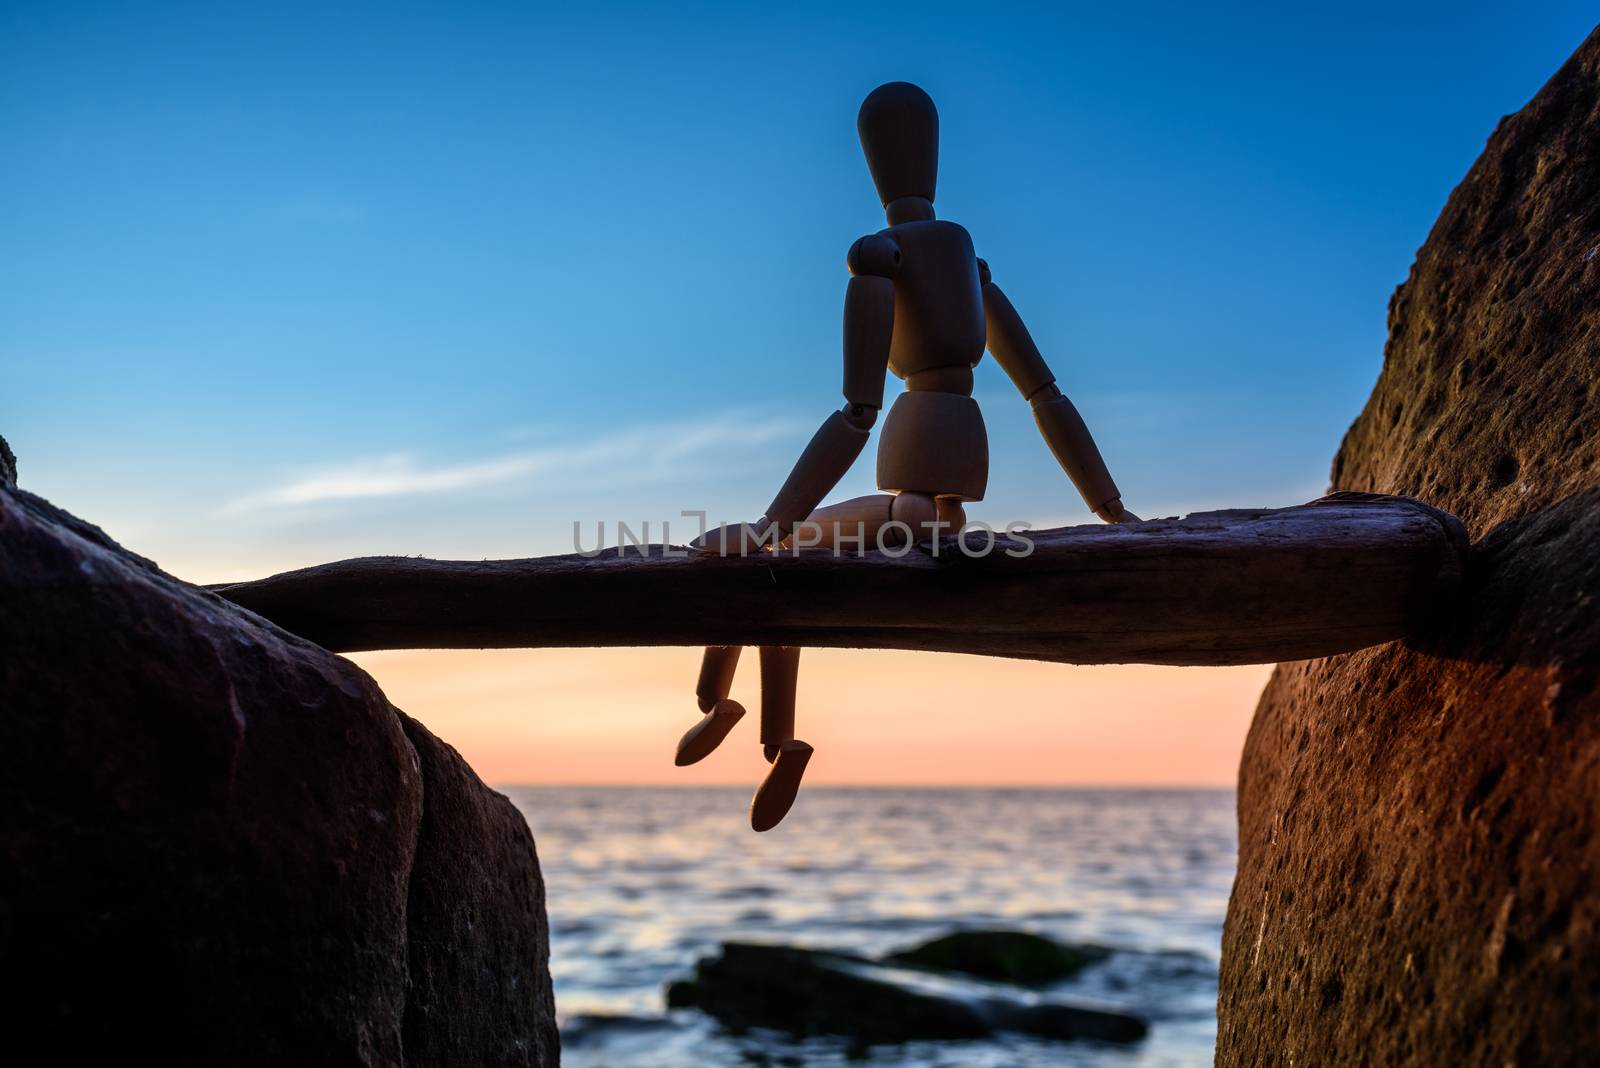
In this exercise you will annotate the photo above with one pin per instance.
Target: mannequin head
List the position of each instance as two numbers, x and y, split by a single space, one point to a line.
899 130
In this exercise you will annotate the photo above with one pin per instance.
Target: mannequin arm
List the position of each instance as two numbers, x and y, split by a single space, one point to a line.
868 323
868 326
1063 428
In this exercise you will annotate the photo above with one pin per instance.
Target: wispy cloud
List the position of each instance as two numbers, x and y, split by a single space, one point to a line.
639 453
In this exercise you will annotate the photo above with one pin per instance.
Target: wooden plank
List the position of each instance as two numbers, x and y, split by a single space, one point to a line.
1231 587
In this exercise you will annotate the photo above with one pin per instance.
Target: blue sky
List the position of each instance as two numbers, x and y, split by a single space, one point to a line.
283 284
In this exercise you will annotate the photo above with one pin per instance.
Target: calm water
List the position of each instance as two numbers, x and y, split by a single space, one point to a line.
642 881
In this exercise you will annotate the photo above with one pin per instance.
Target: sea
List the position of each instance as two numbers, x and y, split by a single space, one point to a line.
642 881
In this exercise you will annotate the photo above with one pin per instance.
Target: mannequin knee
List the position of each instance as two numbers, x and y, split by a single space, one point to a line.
917 511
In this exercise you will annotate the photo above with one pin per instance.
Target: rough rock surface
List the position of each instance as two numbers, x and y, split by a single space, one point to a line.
1420 822
220 844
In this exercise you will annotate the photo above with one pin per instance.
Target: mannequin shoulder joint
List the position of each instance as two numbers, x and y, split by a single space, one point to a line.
875 254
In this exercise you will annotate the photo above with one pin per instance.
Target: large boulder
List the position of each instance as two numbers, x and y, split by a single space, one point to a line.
220 844
1420 822
823 992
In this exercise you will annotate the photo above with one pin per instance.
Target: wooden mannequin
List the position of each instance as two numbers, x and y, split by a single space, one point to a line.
922 305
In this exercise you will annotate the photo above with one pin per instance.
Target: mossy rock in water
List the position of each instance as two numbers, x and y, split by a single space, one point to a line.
1006 956
819 992
811 992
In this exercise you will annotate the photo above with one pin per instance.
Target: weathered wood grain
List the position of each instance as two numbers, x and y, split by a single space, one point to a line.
1231 587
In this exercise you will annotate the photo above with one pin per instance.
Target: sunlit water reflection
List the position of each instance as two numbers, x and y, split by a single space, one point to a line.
642 881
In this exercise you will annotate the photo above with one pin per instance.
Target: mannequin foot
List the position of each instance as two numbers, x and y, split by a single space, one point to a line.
782 784
699 741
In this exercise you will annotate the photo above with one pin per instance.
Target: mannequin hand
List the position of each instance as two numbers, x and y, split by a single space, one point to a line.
737 539
1113 512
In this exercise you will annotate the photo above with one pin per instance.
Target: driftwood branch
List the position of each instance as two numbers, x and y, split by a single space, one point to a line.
1232 587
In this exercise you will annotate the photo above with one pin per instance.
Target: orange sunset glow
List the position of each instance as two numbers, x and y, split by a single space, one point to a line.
875 716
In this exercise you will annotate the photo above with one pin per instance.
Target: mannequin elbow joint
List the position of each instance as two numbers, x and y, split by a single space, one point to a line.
860 416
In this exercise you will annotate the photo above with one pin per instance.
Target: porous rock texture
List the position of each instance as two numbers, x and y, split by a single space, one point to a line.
1420 822
220 844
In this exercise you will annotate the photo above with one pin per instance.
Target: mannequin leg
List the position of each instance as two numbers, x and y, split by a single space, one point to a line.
716 679
780 670
858 517
864 518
